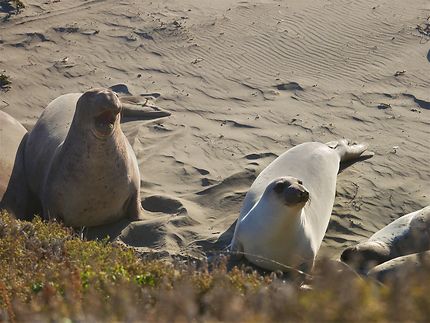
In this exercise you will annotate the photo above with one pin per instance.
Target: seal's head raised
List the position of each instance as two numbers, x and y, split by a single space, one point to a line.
289 191
98 110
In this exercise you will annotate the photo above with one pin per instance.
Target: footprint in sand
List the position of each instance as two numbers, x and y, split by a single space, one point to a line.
164 204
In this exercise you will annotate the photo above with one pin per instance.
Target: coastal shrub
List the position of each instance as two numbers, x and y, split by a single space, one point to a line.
48 273
17 5
4 81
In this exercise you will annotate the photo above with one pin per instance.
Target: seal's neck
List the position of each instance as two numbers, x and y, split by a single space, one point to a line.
85 148
282 219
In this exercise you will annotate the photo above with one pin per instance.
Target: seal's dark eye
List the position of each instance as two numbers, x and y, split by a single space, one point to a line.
300 182
279 187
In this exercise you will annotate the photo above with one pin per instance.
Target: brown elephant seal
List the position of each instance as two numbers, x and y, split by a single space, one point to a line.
406 235
76 164
11 134
286 212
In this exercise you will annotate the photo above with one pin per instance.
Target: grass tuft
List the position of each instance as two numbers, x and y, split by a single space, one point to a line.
12 6
4 81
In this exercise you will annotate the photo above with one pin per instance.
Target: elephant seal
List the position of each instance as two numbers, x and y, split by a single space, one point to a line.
76 164
401 267
286 211
406 235
11 134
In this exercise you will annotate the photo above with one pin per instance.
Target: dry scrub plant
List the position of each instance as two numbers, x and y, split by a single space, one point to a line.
4 81
48 273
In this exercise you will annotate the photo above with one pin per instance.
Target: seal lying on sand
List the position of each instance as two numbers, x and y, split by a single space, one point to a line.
11 134
286 211
76 164
402 267
406 235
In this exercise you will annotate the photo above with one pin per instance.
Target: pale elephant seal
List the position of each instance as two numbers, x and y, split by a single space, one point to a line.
11 134
76 164
286 211
401 267
406 235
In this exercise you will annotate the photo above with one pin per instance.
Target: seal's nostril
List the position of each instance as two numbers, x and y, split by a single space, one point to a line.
304 194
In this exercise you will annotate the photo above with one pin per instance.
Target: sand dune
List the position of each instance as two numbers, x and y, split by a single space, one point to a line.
244 80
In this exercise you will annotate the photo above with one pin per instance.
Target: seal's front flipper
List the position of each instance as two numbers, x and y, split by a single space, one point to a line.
132 107
138 107
236 249
133 208
18 199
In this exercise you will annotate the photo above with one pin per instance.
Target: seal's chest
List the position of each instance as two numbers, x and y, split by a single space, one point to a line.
93 207
92 197
105 190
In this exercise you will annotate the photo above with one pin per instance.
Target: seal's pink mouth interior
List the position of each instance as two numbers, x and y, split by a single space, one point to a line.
106 117
105 121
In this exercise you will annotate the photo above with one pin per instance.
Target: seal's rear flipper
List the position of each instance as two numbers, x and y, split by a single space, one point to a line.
18 199
350 151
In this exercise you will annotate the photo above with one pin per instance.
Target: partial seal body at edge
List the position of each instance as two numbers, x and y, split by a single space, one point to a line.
407 235
11 135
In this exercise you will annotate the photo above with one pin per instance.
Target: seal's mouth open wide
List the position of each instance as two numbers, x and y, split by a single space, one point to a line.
105 123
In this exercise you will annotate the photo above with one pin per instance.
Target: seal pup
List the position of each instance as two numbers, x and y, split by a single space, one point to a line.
11 134
76 165
286 211
406 235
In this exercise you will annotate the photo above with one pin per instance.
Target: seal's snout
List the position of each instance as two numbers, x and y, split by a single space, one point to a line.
297 194
366 255
291 191
347 255
356 259
304 195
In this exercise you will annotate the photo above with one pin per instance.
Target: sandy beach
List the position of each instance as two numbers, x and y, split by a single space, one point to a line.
244 81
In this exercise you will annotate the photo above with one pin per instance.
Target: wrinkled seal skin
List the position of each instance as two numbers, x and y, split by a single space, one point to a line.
286 211
11 135
76 164
406 235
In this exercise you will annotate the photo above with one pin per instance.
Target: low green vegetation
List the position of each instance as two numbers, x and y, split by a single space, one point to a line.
18 5
4 81
48 273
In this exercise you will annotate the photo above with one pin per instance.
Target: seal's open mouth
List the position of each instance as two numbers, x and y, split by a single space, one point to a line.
105 123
